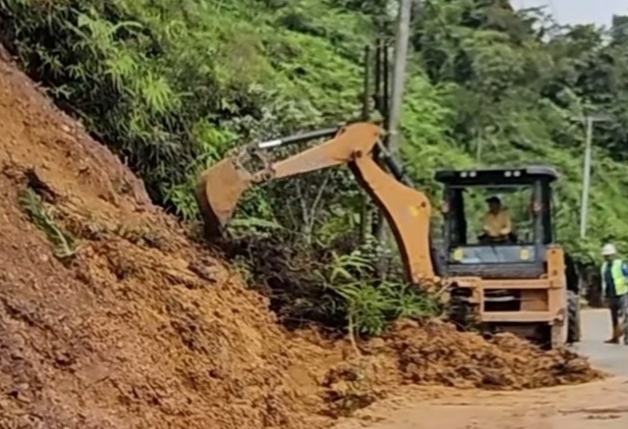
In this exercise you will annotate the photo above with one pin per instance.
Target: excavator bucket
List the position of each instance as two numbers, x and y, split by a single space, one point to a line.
218 192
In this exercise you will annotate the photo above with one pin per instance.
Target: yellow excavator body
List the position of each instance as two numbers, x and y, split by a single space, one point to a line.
408 212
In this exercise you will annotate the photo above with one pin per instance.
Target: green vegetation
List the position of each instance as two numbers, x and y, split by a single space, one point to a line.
330 284
63 246
171 86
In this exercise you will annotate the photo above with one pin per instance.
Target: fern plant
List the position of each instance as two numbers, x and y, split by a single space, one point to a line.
370 304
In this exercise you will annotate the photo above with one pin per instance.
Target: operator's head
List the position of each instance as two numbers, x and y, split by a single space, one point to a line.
494 204
609 251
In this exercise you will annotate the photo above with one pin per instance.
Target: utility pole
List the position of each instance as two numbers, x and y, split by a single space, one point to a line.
586 173
586 184
399 73
365 217
402 38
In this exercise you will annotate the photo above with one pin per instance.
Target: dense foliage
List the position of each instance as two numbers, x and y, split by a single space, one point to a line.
170 86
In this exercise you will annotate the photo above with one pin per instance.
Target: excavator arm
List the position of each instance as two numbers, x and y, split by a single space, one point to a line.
407 210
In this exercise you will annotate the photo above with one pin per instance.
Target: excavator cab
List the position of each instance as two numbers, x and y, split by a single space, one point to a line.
511 283
526 198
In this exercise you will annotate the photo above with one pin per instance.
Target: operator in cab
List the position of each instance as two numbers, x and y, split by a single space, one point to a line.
497 224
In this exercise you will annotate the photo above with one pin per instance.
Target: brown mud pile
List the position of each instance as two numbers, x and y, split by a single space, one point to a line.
435 353
439 354
137 327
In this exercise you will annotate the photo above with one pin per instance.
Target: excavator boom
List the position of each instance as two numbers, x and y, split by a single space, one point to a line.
407 210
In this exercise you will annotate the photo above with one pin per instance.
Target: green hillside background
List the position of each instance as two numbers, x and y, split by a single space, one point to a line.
171 85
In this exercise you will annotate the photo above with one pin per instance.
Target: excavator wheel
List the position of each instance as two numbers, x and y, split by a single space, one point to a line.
573 317
461 313
558 337
549 336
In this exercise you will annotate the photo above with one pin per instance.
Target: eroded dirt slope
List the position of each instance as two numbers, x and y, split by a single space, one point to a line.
141 328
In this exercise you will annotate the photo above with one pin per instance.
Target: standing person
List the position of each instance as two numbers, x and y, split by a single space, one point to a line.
614 275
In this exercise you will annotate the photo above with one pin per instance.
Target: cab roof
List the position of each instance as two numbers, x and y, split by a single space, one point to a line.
497 175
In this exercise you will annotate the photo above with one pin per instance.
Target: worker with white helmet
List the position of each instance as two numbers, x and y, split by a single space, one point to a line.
614 276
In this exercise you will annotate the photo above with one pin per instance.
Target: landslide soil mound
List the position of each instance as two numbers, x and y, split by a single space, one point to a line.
111 318
436 353
139 328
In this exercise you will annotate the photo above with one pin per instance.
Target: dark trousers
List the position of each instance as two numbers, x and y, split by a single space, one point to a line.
618 305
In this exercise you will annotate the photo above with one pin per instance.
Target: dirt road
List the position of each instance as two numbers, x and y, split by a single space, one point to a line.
600 405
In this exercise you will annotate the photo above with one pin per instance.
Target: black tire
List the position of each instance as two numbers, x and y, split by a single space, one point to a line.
547 337
461 314
573 317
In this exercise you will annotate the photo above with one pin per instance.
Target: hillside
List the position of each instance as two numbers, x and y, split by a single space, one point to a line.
111 318
171 88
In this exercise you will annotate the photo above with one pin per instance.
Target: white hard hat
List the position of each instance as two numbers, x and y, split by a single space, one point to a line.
608 250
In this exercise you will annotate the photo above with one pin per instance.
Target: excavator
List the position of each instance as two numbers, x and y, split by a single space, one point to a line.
519 285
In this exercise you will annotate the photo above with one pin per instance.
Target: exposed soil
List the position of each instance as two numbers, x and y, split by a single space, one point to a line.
600 405
142 328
